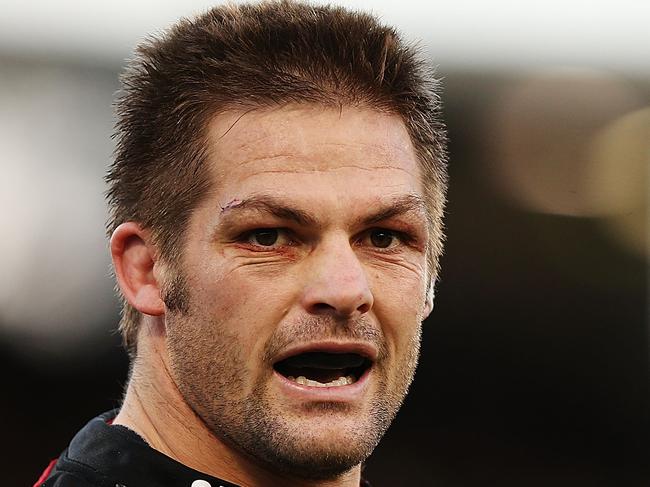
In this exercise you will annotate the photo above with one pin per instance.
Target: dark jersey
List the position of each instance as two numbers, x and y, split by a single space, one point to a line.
105 455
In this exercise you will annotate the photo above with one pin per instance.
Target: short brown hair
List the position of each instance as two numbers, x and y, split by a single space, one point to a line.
255 56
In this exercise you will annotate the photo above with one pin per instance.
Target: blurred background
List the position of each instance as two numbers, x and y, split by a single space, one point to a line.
535 367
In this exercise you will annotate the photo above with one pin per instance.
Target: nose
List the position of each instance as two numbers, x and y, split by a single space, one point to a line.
336 282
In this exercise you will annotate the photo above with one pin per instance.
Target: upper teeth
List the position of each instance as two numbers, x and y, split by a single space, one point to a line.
341 381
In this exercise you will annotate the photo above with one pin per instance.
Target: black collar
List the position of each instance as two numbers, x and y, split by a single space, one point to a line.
114 456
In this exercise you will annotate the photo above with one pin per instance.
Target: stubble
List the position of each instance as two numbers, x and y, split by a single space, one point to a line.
209 363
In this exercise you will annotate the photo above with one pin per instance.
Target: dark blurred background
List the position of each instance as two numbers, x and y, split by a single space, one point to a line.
535 366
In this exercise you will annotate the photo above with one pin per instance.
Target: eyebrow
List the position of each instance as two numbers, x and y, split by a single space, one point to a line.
276 206
409 203
264 203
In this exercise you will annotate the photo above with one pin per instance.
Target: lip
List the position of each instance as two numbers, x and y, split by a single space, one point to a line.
346 393
365 349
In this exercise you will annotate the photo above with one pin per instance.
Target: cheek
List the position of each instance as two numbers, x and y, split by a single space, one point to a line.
399 307
219 288
244 302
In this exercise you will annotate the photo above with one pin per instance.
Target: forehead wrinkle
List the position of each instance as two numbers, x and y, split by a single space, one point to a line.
280 142
385 148
291 150
301 170
385 153
248 141
269 158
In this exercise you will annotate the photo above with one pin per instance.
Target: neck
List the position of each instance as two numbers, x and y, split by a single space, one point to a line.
154 408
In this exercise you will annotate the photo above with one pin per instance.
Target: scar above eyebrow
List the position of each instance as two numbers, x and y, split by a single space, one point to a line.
234 203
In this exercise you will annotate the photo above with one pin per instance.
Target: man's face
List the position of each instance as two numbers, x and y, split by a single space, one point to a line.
304 280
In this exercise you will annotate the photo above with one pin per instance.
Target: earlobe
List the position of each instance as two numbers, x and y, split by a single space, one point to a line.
134 259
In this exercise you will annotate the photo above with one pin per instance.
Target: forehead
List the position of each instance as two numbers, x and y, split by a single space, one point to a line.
307 147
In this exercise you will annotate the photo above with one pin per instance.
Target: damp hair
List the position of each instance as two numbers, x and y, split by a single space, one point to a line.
248 56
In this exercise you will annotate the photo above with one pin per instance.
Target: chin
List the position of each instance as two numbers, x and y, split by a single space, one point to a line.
319 459
324 444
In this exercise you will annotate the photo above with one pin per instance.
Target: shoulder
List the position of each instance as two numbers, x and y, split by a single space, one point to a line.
76 466
65 472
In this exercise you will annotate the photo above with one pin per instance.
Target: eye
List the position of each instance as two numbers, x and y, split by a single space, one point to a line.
383 239
266 237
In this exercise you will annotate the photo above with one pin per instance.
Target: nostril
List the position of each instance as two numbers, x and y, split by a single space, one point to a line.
364 308
322 308
325 308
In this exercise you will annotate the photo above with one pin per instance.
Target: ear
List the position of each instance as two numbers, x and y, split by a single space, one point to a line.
134 258
428 304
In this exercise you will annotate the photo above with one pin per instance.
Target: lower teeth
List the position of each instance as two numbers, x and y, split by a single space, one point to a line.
341 381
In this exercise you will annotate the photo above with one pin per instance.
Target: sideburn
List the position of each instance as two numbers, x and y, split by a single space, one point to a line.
175 294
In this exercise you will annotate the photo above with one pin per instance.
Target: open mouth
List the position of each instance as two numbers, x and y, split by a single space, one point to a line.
323 369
